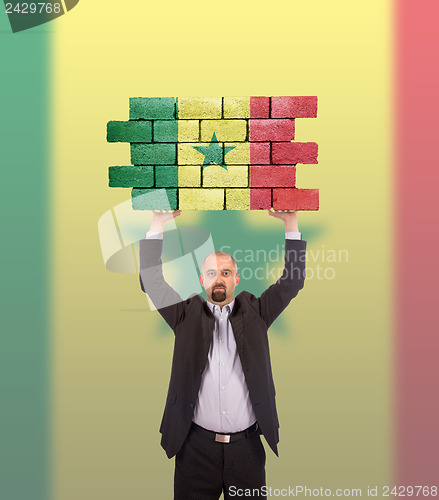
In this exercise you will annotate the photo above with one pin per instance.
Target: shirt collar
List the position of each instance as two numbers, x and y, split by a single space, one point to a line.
229 305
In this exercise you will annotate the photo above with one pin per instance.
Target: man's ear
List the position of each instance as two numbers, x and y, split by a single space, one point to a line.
237 278
201 280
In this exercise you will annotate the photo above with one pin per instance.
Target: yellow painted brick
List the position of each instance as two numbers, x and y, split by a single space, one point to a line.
234 176
199 107
238 156
187 155
189 176
225 130
201 199
236 107
188 130
237 199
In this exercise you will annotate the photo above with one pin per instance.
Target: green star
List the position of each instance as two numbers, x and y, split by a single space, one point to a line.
213 153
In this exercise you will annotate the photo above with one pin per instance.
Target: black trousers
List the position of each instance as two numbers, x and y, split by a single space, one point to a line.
205 468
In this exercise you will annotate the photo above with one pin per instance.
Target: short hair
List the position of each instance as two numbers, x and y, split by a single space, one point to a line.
220 253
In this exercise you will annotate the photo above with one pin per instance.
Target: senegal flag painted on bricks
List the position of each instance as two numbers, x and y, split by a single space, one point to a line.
215 153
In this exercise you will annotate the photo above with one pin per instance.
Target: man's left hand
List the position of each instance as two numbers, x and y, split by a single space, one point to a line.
289 217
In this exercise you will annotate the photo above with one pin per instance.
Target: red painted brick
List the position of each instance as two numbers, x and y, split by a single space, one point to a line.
260 199
294 107
260 153
295 199
272 176
259 107
287 153
271 130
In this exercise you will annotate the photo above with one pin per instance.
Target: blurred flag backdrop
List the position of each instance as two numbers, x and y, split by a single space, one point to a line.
85 367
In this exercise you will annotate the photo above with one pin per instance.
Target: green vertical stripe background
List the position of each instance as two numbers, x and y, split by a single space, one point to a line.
25 276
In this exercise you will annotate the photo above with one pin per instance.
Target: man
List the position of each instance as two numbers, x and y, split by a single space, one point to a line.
221 394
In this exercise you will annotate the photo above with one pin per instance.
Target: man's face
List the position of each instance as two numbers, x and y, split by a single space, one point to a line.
219 279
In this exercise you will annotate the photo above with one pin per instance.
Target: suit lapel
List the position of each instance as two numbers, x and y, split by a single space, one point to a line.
237 322
208 324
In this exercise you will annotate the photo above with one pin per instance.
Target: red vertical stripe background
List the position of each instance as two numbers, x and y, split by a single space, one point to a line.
417 241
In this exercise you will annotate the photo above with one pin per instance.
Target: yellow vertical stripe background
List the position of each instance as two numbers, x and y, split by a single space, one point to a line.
111 366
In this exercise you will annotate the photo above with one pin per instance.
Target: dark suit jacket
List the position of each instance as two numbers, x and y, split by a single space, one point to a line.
193 324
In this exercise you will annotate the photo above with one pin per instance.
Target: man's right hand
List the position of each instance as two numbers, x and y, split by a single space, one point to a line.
161 217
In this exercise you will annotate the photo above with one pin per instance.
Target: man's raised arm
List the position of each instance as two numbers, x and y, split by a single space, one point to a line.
276 298
167 301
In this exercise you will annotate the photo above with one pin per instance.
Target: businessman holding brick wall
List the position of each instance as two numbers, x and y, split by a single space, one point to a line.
221 395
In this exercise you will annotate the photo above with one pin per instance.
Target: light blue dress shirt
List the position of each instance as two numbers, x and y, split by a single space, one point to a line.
223 400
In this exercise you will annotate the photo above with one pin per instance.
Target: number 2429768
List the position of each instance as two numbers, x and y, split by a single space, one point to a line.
33 8
409 491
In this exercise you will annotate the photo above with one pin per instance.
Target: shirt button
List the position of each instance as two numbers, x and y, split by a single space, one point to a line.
222 340
222 364
224 412
223 388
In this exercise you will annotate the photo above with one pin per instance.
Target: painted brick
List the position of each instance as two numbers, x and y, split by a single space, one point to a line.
153 154
201 199
272 175
199 107
260 175
272 130
154 199
236 107
295 199
260 199
294 107
294 152
165 130
259 107
188 155
237 199
225 130
188 130
152 108
131 176
260 153
189 176
166 176
129 131
234 176
240 155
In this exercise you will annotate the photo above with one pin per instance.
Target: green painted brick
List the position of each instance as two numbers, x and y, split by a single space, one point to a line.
133 131
154 199
131 176
152 108
153 154
165 131
166 176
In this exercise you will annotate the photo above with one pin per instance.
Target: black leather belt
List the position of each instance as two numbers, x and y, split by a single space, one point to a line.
225 438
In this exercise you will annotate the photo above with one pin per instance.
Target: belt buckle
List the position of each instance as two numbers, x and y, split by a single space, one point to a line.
222 438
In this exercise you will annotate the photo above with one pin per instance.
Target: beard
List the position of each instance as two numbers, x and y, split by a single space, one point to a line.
219 295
